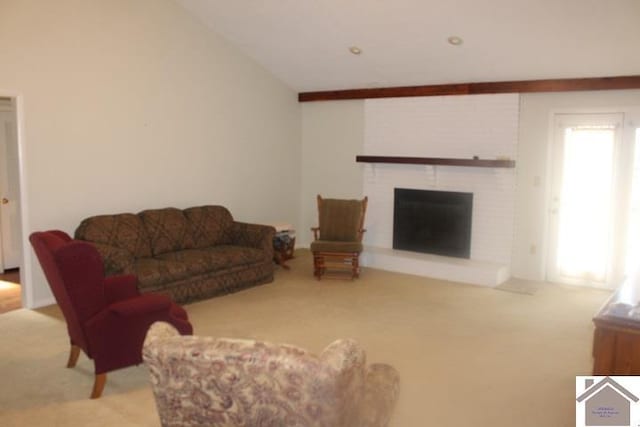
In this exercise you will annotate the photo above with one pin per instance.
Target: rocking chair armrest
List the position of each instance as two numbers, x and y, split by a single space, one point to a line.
315 230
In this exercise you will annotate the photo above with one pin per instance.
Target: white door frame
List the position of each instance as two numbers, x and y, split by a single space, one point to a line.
26 276
11 232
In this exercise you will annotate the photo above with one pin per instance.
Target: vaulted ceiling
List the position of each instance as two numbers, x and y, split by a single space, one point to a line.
305 43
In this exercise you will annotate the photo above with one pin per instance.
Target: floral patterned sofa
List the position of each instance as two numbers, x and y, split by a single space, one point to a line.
189 254
204 381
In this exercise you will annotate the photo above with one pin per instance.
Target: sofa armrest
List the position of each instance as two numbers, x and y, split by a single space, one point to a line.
116 260
255 236
120 288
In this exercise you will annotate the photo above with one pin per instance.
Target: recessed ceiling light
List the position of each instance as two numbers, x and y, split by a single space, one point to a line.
355 50
455 40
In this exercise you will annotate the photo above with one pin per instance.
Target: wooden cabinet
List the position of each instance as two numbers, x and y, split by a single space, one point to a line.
616 342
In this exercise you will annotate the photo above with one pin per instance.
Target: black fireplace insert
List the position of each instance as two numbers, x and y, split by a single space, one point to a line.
434 222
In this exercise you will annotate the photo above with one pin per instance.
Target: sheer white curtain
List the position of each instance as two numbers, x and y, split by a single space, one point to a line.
585 218
633 235
590 192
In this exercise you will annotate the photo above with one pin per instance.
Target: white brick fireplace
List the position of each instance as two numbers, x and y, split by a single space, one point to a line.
460 127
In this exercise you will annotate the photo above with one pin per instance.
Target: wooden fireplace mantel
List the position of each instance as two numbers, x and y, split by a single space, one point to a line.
478 163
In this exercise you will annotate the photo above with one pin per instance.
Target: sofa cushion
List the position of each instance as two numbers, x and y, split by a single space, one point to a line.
237 255
211 225
115 260
124 231
152 272
168 230
196 261
174 266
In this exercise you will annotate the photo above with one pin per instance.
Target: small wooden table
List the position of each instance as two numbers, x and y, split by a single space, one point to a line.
284 253
616 339
284 243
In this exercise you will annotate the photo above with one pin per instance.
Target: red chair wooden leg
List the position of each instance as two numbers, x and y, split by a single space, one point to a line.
98 385
73 356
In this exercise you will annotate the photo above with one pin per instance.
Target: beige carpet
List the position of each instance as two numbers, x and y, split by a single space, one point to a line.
519 286
467 355
10 296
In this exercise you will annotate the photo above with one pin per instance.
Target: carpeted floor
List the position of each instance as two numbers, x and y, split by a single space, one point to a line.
10 291
467 355
519 286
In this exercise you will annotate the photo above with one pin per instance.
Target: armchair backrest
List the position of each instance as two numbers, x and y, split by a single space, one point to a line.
341 220
231 382
75 274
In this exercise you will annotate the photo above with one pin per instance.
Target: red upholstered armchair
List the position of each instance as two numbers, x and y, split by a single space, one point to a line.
107 318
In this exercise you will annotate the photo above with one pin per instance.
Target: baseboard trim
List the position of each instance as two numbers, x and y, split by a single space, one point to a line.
43 302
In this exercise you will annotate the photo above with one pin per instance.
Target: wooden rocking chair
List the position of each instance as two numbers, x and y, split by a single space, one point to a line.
338 238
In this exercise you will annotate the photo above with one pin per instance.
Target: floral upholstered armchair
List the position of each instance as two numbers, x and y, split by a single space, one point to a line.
206 381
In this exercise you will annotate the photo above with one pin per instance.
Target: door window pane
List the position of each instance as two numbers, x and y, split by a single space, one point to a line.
584 234
633 234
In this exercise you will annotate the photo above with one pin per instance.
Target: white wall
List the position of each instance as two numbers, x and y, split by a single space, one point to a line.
451 127
339 126
128 105
332 137
534 167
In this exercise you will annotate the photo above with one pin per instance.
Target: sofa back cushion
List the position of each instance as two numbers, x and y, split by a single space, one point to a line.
124 231
168 230
211 225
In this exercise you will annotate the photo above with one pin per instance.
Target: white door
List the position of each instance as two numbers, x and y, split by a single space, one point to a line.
11 245
632 255
587 200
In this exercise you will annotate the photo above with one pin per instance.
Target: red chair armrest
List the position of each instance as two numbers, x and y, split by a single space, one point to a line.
143 304
120 288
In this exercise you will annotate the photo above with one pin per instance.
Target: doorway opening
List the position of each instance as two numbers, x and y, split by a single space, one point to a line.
592 190
10 291
10 213
633 235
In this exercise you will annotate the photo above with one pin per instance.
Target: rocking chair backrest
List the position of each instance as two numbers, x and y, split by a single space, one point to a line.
341 220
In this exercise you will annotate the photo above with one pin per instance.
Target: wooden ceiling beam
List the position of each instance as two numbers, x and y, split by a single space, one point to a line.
520 86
